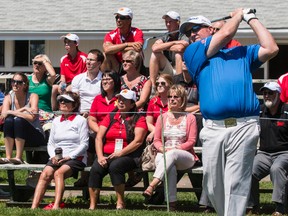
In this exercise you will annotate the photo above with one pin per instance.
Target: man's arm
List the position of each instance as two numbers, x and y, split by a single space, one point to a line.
226 33
269 48
174 46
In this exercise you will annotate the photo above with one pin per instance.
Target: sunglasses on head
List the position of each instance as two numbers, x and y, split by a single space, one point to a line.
194 29
17 82
38 63
162 83
63 100
174 97
127 61
268 93
122 17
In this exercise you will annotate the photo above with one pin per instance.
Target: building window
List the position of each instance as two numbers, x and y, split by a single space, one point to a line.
278 65
26 50
2 53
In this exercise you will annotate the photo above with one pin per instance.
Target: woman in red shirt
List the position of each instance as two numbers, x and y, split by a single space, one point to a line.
160 101
118 148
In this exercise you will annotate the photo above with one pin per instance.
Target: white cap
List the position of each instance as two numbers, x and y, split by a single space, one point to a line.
65 96
273 86
124 11
196 20
72 37
172 14
128 94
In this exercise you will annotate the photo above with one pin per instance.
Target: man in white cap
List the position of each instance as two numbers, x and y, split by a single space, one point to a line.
229 106
271 157
167 52
71 64
123 38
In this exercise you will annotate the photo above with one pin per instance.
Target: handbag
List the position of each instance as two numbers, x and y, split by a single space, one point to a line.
148 157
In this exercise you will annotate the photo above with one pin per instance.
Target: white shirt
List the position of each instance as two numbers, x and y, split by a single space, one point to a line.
87 89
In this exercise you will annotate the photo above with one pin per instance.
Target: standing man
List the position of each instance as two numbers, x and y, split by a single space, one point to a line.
167 52
272 155
88 84
228 104
120 40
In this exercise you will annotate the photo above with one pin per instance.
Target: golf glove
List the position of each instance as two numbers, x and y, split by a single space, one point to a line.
248 14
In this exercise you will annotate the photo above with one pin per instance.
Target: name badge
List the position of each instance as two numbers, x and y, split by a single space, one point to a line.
118 145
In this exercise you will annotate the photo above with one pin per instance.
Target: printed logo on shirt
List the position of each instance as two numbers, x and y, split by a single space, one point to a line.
66 65
280 123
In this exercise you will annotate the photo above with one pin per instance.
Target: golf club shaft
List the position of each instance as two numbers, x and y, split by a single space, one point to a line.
229 17
158 36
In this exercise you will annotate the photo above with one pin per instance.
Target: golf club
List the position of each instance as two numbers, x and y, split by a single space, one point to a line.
228 17
158 36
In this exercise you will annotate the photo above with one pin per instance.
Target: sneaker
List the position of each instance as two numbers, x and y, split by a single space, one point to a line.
50 206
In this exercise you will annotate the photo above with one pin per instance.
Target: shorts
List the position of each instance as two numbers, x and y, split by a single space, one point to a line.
75 166
168 69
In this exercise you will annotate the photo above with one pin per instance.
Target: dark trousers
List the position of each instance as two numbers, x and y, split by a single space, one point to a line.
116 169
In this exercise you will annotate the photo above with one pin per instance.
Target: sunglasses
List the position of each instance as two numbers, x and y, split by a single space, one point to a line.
17 82
38 63
174 97
268 93
162 83
127 61
122 17
194 29
63 100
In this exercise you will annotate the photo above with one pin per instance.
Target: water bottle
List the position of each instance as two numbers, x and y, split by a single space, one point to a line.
58 153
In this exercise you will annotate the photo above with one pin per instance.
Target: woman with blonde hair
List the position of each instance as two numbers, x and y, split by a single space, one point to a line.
180 133
159 101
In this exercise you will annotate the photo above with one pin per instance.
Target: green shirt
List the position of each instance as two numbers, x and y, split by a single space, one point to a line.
43 90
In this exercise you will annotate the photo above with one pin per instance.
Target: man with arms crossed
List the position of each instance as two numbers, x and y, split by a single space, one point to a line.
228 104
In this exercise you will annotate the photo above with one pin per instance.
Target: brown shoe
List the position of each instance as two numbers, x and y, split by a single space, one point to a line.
276 213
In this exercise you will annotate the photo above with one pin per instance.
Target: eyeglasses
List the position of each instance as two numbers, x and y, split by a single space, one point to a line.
122 17
268 93
174 97
216 29
38 63
90 59
63 100
127 61
162 83
194 29
17 82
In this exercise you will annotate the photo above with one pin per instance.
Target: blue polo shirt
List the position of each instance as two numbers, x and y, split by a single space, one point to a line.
224 80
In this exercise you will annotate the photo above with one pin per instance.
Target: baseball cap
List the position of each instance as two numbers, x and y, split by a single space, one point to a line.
196 20
172 14
128 94
72 37
273 86
124 11
65 96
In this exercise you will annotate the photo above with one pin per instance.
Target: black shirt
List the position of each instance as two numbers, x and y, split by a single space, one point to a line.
274 133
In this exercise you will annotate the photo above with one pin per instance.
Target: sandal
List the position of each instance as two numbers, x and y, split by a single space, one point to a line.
4 161
17 161
148 192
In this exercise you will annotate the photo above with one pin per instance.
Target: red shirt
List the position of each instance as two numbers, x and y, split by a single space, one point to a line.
100 107
114 37
283 82
71 67
154 108
232 43
118 131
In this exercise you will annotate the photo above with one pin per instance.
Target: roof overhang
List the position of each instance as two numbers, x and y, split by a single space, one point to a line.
99 35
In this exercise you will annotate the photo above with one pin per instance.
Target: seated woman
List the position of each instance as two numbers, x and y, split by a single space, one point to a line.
118 148
102 104
21 122
134 80
180 133
159 101
69 132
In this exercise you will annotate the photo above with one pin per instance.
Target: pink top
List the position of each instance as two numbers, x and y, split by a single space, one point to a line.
191 133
